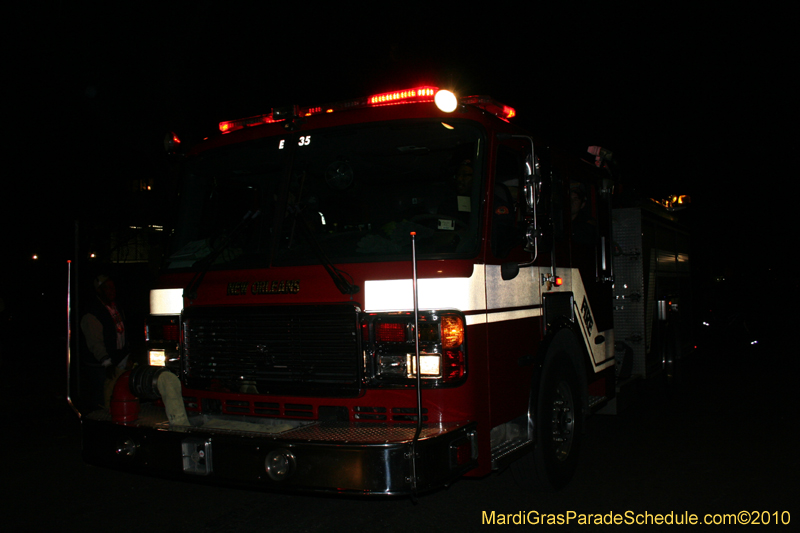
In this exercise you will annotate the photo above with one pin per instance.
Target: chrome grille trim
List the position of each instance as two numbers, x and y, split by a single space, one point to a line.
297 350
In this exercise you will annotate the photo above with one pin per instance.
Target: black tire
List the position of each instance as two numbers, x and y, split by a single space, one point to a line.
559 429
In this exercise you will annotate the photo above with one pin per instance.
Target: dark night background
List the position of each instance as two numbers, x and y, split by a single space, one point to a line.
692 99
698 101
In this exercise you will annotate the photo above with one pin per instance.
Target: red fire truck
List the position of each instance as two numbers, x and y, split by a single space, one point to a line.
382 295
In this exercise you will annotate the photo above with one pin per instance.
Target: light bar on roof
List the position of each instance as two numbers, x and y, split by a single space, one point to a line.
445 100
418 94
233 125
490 105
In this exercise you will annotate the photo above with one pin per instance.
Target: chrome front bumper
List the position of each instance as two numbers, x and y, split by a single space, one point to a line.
340 457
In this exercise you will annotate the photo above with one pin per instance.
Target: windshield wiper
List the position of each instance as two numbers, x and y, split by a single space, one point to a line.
339 277
190 291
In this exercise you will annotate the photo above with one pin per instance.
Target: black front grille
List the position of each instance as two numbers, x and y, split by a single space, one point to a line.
303 350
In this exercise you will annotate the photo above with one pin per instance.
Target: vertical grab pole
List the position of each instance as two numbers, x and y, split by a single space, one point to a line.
416 363
73 302
69 339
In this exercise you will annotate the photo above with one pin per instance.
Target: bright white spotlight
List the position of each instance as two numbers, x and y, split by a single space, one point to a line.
446 101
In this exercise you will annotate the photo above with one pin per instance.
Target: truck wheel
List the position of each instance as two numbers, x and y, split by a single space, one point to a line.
559 427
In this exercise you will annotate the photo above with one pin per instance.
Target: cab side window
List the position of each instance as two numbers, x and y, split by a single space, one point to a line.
509 173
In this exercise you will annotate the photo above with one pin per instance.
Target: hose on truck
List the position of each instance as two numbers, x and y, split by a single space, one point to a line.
152 383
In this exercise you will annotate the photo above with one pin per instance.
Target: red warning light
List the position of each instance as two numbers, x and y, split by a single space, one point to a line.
391 332
418 94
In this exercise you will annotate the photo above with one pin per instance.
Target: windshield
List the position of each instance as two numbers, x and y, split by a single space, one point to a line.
353 194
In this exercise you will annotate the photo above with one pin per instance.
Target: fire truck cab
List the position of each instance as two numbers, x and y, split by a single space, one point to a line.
376 296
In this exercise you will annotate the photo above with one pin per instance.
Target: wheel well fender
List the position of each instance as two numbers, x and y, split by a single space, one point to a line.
562 343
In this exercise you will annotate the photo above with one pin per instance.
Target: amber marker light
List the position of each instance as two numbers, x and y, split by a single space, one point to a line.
452 332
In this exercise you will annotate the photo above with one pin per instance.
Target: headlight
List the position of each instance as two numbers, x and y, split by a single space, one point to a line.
405 366
162 337
390 352
157 358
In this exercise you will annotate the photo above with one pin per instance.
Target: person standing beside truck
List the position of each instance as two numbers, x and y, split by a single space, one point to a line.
103 327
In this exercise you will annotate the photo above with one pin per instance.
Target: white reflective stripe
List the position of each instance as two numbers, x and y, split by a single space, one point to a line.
522 291
166 301
603 357
500 316
480 292
476 319
464 294
485 289
609 349
603 365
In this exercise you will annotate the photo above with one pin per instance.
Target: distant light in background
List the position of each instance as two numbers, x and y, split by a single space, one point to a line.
171 142
675 202
35 257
